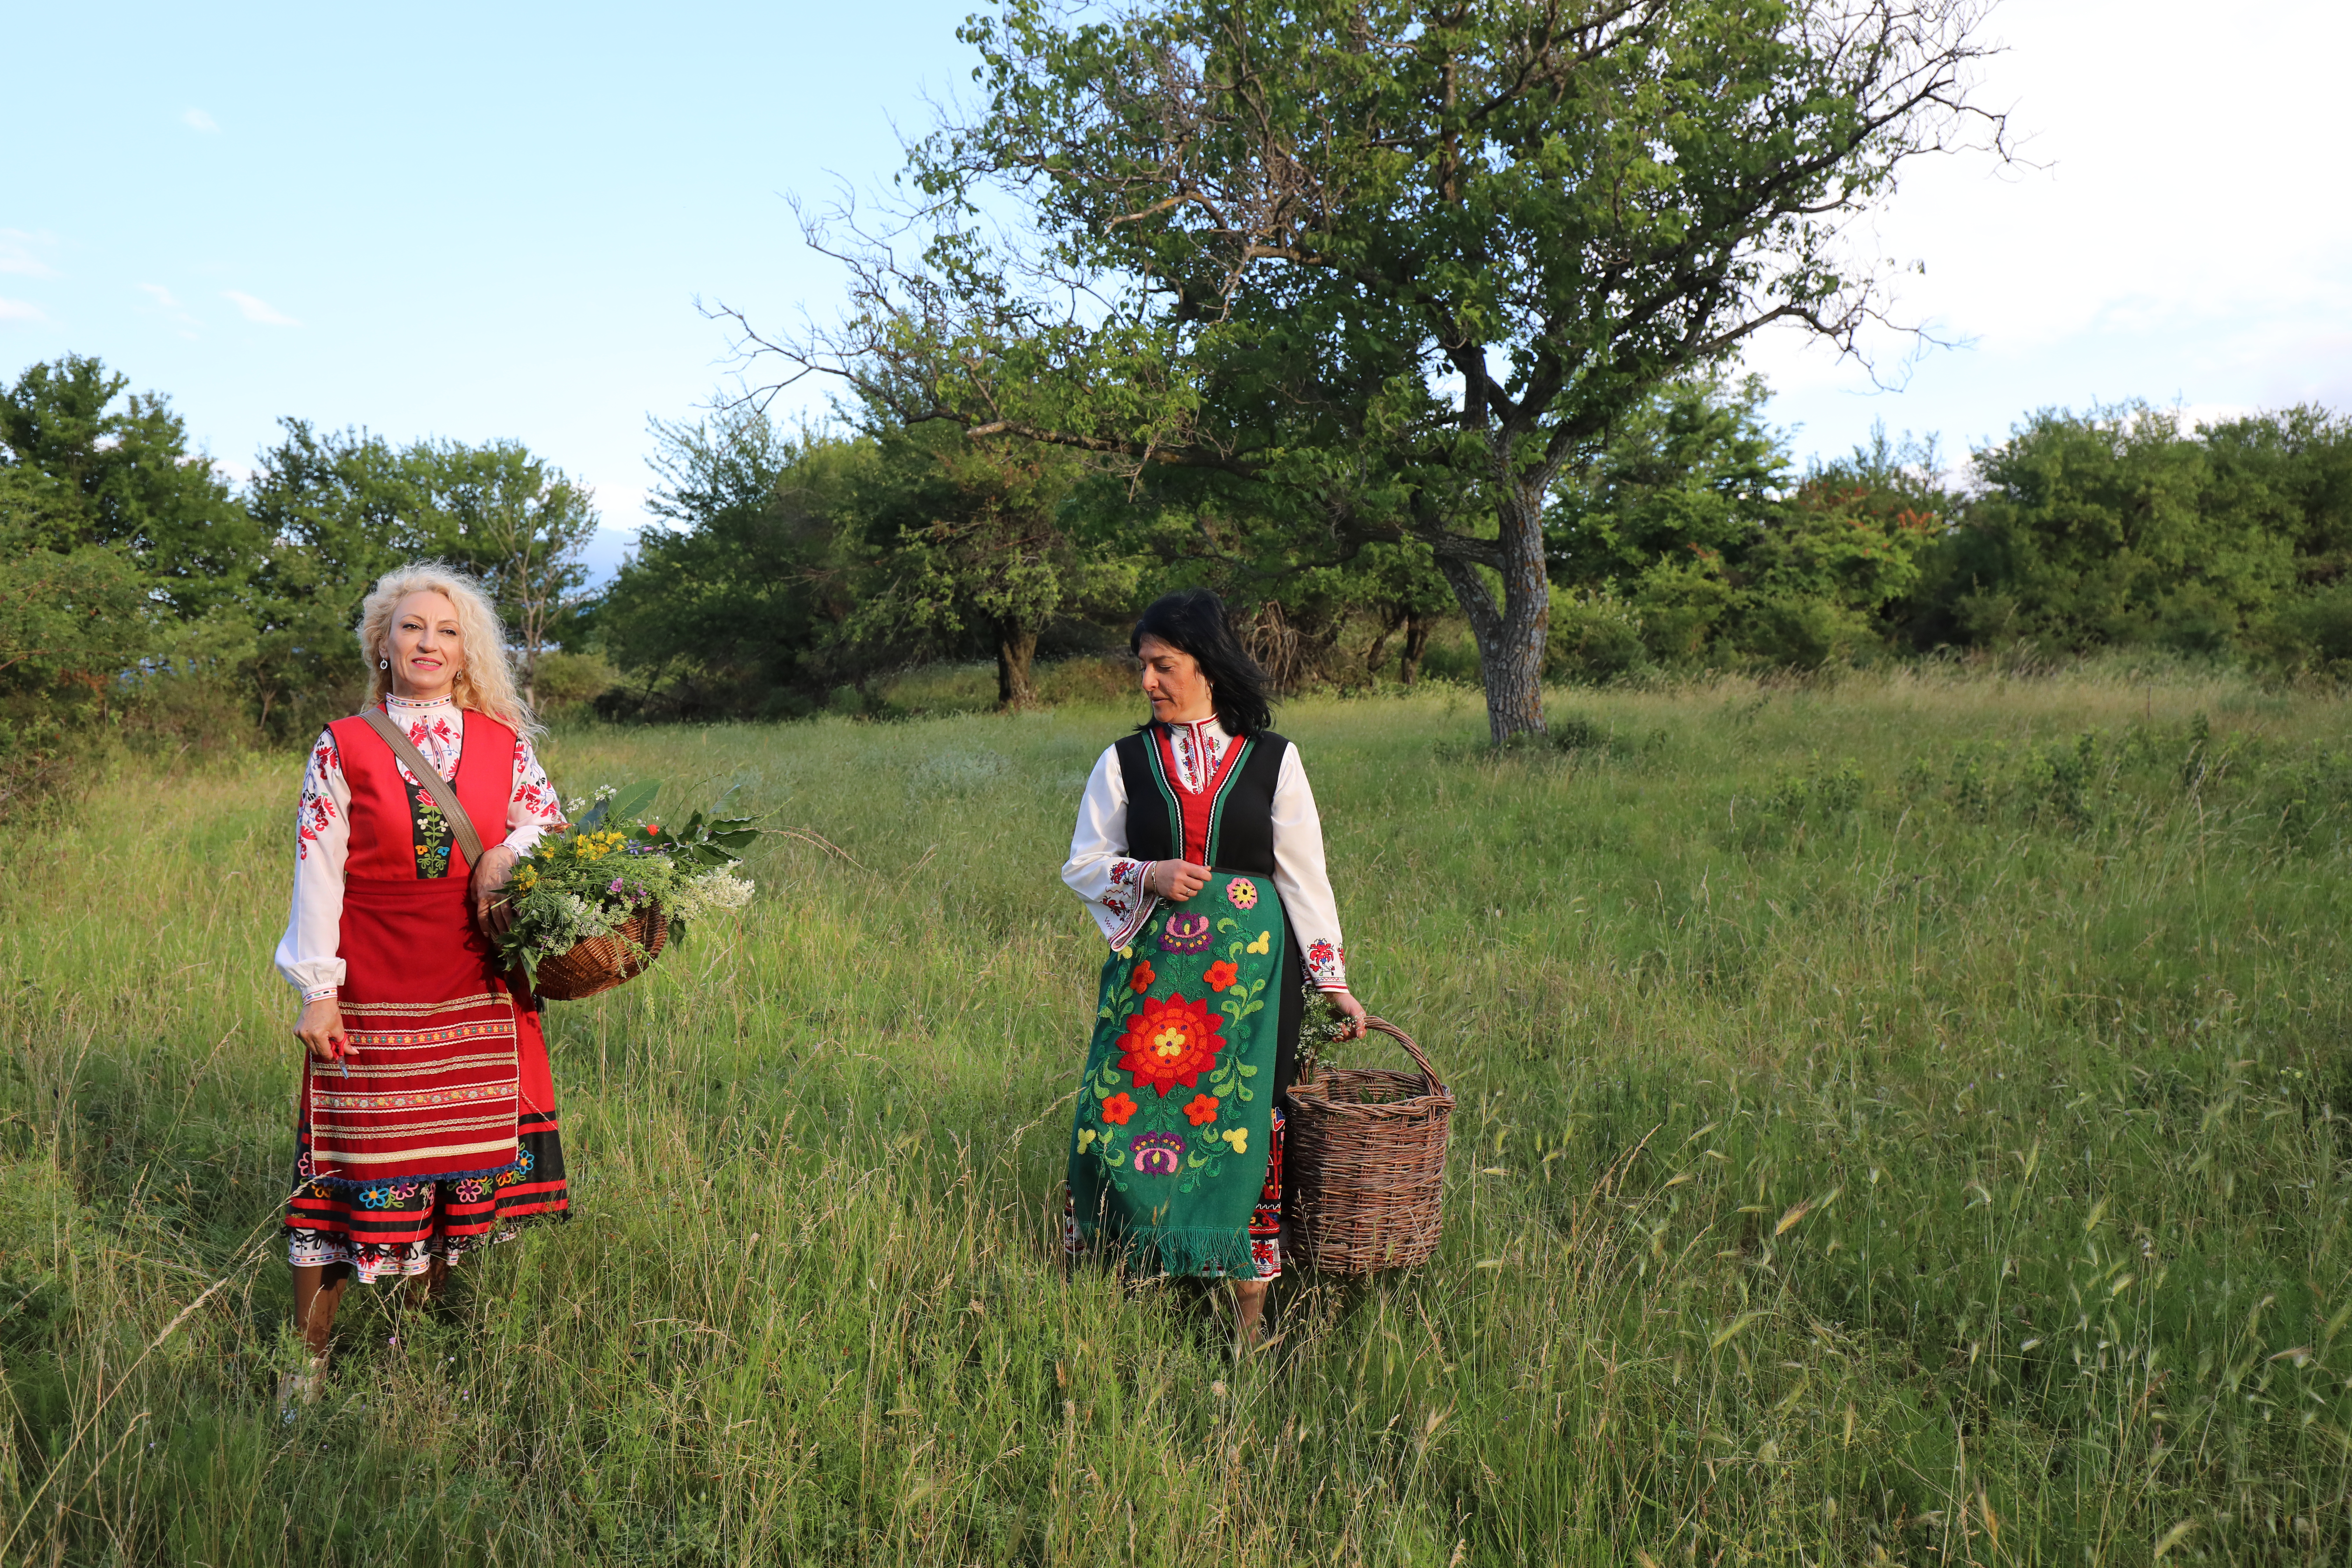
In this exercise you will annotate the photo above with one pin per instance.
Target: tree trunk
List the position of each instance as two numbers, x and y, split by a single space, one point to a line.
1016 650
1417 644
1511 638
1378 653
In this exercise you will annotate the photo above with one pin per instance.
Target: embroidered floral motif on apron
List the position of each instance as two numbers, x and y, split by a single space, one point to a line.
1168 1155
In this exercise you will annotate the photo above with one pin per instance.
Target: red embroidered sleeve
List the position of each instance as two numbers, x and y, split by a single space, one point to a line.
316 810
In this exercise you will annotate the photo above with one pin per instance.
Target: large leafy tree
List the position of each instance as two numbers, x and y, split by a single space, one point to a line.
520 523
340 508
978 541
91 467
1689 517
121 550
72 620
1407 262
735 594
2116 526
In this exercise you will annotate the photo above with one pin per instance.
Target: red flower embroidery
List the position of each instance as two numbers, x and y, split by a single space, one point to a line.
1203 1109
1141 981
1221 974
1171 1041
317 810
1118 1108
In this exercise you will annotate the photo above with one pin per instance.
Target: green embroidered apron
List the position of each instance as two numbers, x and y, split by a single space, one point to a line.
1168 1149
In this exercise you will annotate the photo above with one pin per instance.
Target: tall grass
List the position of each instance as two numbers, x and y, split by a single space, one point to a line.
1900 1119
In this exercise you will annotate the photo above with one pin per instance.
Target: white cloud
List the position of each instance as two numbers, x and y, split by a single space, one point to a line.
197 119
18 310
18 253
2172 240
168 304
259 309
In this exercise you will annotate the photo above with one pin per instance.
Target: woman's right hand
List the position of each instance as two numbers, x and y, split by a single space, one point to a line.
320 1028
1175 881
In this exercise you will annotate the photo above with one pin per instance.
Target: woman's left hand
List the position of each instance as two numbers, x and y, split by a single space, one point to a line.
1347 1002
490 874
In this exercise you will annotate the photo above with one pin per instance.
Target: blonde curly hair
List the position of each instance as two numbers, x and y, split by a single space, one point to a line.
485 680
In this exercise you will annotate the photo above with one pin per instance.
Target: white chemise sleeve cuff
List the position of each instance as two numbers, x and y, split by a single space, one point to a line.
1100 869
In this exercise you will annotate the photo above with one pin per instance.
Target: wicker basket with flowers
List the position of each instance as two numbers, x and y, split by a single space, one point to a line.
594 904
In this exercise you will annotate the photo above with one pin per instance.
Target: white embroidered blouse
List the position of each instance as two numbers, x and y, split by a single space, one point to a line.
1100 872
309 954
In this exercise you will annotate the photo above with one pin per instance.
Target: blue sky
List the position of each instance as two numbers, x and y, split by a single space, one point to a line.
493 221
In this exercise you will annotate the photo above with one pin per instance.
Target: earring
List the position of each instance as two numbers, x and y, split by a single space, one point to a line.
383 664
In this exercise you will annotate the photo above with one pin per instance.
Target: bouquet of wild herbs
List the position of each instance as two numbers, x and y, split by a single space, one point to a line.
1321 1025
620 885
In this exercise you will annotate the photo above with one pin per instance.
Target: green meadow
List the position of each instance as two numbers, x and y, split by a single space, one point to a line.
1901 1118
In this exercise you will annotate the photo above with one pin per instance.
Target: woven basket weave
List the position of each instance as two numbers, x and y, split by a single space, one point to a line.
1364 1163
602 962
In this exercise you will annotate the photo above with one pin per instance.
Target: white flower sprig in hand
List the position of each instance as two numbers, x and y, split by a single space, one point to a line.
1322 1023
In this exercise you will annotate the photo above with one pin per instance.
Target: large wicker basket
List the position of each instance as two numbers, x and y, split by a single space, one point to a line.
1364 1165
602 962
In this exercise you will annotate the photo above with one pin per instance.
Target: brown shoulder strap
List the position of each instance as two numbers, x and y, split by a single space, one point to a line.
430 777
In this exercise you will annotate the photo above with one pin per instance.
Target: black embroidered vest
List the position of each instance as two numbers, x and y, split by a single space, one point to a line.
1241 821
1241 838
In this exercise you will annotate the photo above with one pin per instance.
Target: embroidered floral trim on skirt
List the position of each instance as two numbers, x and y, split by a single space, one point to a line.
395 1229
1265 1219
438 1135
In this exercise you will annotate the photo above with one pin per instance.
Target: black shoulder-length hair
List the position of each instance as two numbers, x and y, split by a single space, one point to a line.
1193 619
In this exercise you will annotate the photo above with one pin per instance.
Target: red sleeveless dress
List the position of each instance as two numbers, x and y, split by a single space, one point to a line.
442 1132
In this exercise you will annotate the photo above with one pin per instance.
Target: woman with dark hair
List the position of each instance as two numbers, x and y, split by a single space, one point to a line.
1199 852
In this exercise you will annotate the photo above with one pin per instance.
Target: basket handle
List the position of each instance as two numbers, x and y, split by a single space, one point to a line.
1385 1028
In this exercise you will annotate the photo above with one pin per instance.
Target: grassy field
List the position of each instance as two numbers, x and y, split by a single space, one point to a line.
1899 1120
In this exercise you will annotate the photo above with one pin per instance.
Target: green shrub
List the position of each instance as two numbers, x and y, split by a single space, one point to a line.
568 682
2311 630
1595 637
1681 604
1796 632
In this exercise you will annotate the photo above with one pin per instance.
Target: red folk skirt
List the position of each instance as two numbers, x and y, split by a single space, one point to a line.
438 1134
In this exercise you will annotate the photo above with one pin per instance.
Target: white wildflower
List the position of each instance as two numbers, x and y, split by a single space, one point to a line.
715 891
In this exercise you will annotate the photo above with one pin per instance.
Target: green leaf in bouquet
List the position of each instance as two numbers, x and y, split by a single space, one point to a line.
601 807
633 801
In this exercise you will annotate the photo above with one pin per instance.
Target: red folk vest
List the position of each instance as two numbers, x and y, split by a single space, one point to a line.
382 841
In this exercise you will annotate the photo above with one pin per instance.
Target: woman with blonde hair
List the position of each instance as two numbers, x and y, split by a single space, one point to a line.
426 1127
